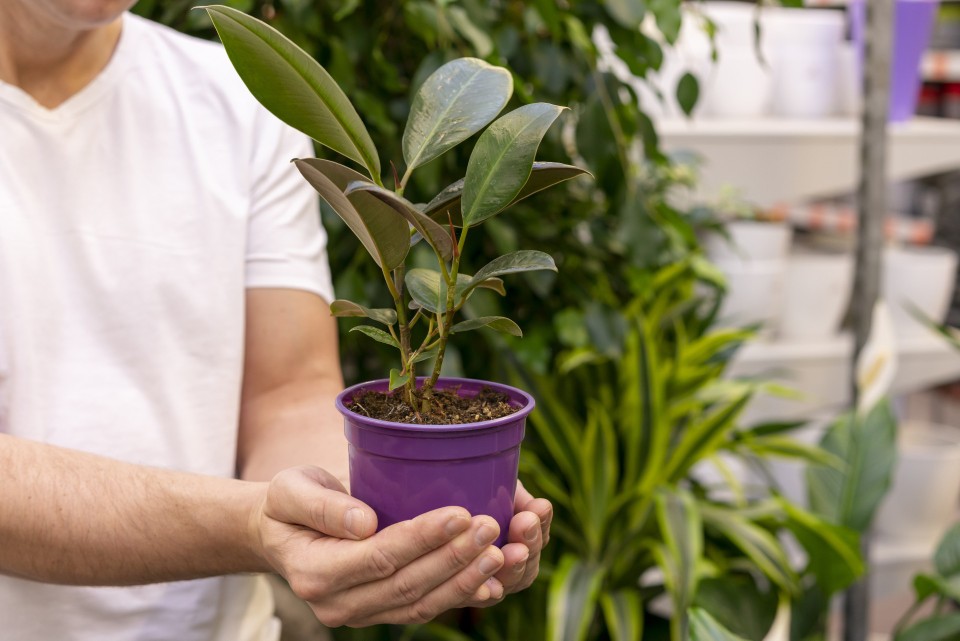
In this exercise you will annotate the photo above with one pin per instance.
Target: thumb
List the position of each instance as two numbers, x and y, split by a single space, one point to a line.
314 498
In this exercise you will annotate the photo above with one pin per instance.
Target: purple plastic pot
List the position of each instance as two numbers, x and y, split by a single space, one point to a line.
403 470
912 25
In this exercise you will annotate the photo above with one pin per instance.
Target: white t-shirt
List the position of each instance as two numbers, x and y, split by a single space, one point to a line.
132 219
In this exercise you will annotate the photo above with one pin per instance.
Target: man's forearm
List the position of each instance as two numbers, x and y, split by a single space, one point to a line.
296 424
75 518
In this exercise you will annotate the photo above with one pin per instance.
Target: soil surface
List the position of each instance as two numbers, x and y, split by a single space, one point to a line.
445 408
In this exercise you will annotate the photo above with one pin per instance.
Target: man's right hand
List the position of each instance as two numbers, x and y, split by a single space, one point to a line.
322 541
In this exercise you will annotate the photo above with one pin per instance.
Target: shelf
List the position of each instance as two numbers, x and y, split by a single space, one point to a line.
772 161
942 66
820 371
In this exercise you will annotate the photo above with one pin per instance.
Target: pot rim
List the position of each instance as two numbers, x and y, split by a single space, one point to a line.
366 421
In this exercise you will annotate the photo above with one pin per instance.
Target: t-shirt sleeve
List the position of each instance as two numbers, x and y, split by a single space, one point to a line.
286 243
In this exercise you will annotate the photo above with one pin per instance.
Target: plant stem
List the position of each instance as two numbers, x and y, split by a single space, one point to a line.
405 358
451 309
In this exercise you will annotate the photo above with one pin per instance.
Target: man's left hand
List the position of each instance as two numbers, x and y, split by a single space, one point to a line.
529 532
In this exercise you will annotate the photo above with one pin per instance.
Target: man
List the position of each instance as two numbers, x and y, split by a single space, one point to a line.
163 281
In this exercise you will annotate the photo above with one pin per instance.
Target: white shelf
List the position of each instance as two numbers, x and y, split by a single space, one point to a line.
820 371
773 161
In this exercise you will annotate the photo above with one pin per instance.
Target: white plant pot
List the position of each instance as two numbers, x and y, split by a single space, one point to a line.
750 241
923 277
804 47
754 293
817 289
923 499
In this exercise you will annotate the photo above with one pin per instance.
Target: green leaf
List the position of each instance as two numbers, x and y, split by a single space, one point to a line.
525 260
384 234
759 545
438 237
938 628
293 86
476 36
493 284
850 495
682 531
455 102
947 557
833 550
572 599
377 334
667 13
926 585
498 323
427 289
688 92
736 602
705 436
623 612
345 308
446 205
502 160
704 627
784 447
397 379
629 13
426 354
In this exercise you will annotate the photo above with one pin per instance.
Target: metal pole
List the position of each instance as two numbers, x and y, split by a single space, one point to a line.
871 198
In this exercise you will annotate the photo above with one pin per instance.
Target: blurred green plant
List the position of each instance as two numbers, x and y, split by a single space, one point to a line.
943 585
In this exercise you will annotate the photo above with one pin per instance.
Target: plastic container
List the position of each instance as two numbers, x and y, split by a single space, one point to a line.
804 46
817 289
922 277
402 470
750 241
913 25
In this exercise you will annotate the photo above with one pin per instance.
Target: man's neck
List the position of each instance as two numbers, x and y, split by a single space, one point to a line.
49 61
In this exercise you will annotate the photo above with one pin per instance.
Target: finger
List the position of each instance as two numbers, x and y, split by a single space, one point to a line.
395 547
515 556
525 502
470 584
314 498
490 593
422 575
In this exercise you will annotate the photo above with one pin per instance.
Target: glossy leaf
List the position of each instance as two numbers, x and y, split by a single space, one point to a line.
703 627
498 323
688 92
426 355
833 550
629 13
293 86
927 585
947 557
397 379
345 308
524 260
572 599
682 531
502 160
377 334
937 628
543 176
454 102
850 495
385 235
739 605
623 612
427 289
438 237
759 545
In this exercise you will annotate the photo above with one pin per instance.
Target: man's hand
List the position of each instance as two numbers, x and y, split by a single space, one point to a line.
529 533
322 541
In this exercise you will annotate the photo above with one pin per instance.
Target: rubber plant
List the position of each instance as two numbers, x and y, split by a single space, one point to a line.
460 99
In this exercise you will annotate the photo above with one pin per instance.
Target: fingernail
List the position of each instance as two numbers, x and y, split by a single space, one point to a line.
354 521
531 535
456 524
521 565
486 534
496 588
489 565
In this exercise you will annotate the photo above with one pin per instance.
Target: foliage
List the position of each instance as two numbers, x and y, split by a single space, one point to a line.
617 443
943 585
456 101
